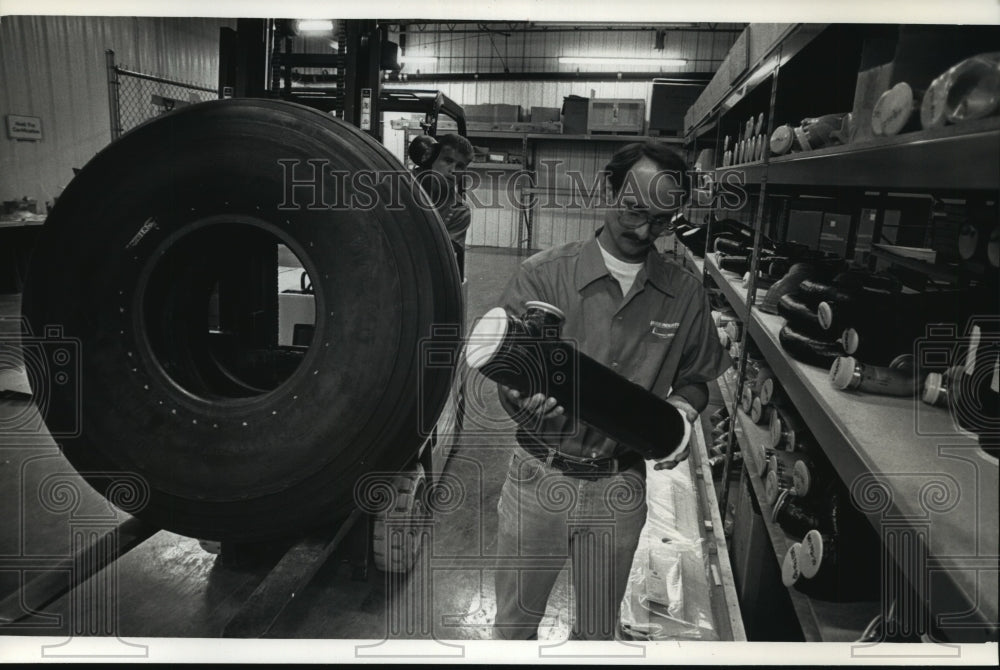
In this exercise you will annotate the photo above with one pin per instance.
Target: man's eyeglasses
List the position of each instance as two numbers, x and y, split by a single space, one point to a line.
636 218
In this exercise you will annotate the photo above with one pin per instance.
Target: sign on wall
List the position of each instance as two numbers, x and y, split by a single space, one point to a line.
24 127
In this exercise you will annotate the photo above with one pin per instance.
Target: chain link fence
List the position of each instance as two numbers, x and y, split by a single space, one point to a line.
134 97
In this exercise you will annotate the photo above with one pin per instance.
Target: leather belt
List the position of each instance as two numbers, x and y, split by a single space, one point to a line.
584 468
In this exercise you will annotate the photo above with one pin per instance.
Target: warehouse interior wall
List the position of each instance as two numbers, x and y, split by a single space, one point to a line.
462 49
53 68
517 52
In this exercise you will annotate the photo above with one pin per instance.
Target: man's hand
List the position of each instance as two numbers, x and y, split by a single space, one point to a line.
683 450
531 409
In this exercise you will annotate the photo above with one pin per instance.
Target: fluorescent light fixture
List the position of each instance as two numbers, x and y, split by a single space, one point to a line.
651 62
418 59
314 25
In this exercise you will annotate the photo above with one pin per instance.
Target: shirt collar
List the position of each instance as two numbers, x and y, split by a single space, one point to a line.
590 267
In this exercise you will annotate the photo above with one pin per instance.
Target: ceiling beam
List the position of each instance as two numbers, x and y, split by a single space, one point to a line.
690 78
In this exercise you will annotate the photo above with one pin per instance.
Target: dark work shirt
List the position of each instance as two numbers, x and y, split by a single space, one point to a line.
659 336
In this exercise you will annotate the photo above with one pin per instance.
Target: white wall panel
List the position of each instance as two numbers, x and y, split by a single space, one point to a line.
539 51
53 67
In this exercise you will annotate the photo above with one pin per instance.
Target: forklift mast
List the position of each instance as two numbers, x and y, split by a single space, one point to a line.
257 60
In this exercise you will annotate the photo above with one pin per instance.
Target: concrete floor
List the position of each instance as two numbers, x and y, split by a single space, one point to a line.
168 586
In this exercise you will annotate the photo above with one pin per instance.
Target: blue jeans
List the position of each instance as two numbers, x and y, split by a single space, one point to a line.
545 518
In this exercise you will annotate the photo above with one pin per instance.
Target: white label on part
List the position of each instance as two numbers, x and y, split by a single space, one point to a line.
366 109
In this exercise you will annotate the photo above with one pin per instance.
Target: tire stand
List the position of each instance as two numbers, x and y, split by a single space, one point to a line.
299 564
292 573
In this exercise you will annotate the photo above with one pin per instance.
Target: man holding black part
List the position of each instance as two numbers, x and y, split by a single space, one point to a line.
570 491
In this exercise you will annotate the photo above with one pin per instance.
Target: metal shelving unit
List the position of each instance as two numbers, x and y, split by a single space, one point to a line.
821 621
971 151
892 453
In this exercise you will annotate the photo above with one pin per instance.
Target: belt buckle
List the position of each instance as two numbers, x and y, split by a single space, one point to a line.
588 469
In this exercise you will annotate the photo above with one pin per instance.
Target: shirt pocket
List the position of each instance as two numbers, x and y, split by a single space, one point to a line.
656 344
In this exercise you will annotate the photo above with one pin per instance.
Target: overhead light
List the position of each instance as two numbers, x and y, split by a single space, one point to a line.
418 59
314 25
652 62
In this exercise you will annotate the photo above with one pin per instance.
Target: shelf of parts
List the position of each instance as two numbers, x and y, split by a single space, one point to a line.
730 284
560 137
959 157
820 620
907 465
725 601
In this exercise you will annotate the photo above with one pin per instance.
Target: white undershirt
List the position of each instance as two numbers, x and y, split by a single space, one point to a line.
624 273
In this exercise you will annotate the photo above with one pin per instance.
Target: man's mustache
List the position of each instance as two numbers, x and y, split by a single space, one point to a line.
634 238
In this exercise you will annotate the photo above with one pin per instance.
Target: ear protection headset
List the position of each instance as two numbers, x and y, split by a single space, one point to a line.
423 150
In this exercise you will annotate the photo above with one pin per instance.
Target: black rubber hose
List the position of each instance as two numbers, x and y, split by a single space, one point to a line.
801 317
808 350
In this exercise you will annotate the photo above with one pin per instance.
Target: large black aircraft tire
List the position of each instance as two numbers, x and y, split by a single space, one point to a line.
123 267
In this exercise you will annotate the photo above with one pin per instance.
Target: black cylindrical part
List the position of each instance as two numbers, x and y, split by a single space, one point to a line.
527 354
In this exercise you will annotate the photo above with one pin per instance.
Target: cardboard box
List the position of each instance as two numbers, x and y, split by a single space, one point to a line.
804 227
574 114
613 115
492 113
537 114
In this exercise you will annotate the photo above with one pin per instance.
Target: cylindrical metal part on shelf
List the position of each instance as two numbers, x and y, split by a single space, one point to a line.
933 112
894 110
786 429
767 390
782 140
773 486
802 479
527 354
737 264
790 570
759 413
937 386
968 241
789 513
763 383
722 319
816 553
974 88
734 329
723 336
731 247
847 373
746 398
794 471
